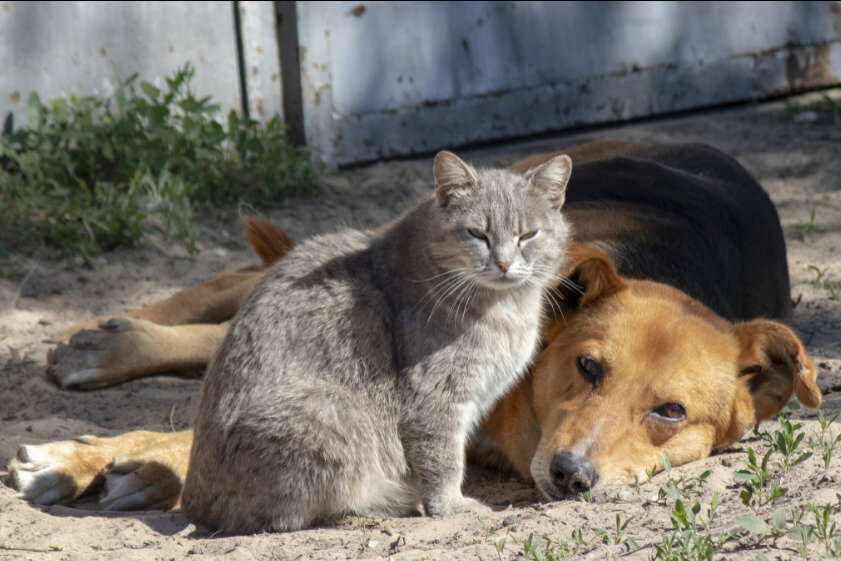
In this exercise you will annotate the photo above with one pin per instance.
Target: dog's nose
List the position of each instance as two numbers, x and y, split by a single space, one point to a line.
573 473
503 265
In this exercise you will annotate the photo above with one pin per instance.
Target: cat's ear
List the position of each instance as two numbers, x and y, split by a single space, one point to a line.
453 177
551 179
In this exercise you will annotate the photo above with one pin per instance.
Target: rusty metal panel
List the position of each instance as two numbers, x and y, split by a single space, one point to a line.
382 79
63 48
261 59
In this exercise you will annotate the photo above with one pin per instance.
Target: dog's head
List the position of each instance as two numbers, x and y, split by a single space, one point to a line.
638 370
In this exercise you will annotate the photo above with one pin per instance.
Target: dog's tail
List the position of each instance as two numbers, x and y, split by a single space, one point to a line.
269 242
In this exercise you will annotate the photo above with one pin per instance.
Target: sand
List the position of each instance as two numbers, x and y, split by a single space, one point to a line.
796 158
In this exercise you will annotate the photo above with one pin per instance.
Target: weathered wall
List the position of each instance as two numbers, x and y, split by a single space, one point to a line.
383 79
63 48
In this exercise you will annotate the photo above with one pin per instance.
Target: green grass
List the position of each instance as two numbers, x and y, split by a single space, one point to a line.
833 288
86 173
806 229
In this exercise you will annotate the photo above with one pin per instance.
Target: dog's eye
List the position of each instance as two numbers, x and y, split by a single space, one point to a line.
669 412
528 235
589 368
478 234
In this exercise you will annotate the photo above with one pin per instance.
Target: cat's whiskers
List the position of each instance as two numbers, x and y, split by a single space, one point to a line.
449 293
447 272
460 298
461 282
548 275
571 285
551 298
472 297
555 305
452 276
457 300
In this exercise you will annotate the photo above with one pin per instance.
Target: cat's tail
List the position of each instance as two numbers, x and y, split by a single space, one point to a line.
269 242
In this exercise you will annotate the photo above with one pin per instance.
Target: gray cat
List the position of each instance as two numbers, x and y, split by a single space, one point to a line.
352 377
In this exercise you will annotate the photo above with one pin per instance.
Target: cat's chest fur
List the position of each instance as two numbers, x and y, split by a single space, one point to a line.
474 361
503 343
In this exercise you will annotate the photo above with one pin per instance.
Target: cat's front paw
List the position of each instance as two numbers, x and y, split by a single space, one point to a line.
458 505
469 504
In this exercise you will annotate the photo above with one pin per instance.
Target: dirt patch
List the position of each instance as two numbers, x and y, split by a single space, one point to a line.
798 160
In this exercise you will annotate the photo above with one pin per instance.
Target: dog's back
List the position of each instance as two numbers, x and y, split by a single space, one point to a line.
688 216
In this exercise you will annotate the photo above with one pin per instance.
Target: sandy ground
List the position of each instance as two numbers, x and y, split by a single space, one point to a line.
797 159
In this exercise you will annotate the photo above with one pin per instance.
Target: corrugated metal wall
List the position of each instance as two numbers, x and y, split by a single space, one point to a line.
392 78
366 80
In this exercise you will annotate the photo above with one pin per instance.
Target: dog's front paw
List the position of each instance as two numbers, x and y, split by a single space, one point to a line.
52 473
140 481
95 358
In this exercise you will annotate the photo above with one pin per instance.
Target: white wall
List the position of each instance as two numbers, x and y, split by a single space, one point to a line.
383 79
392 78
63 48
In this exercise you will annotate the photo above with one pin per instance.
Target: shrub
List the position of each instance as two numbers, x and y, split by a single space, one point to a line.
86 172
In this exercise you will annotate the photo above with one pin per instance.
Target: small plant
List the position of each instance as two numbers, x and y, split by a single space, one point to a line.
500 546
540 547
578 540
762 485
754 476
827 440
825 526
787 443
681 487
693 538
834 288
619 533
86 172
806 229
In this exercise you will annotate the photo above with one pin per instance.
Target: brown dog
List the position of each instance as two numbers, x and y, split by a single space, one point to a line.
661 340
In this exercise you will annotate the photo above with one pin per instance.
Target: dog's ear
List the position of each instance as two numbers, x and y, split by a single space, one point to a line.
453 177
587 276
550 179
773 366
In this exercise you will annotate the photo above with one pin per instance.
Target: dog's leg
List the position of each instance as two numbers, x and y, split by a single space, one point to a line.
148 478
126 348
137 469
212 301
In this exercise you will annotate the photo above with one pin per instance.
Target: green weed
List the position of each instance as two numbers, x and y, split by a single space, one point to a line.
827 440
806 229
834 288
693 538
87 172
540 547
618 534
682 487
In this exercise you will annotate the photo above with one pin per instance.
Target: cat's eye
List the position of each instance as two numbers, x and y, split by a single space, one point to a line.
672 412
478 234
528 235
589 368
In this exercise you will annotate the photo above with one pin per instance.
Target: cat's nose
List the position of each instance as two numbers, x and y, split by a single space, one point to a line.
503 265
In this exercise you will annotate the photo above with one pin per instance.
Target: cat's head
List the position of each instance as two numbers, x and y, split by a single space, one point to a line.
501 228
